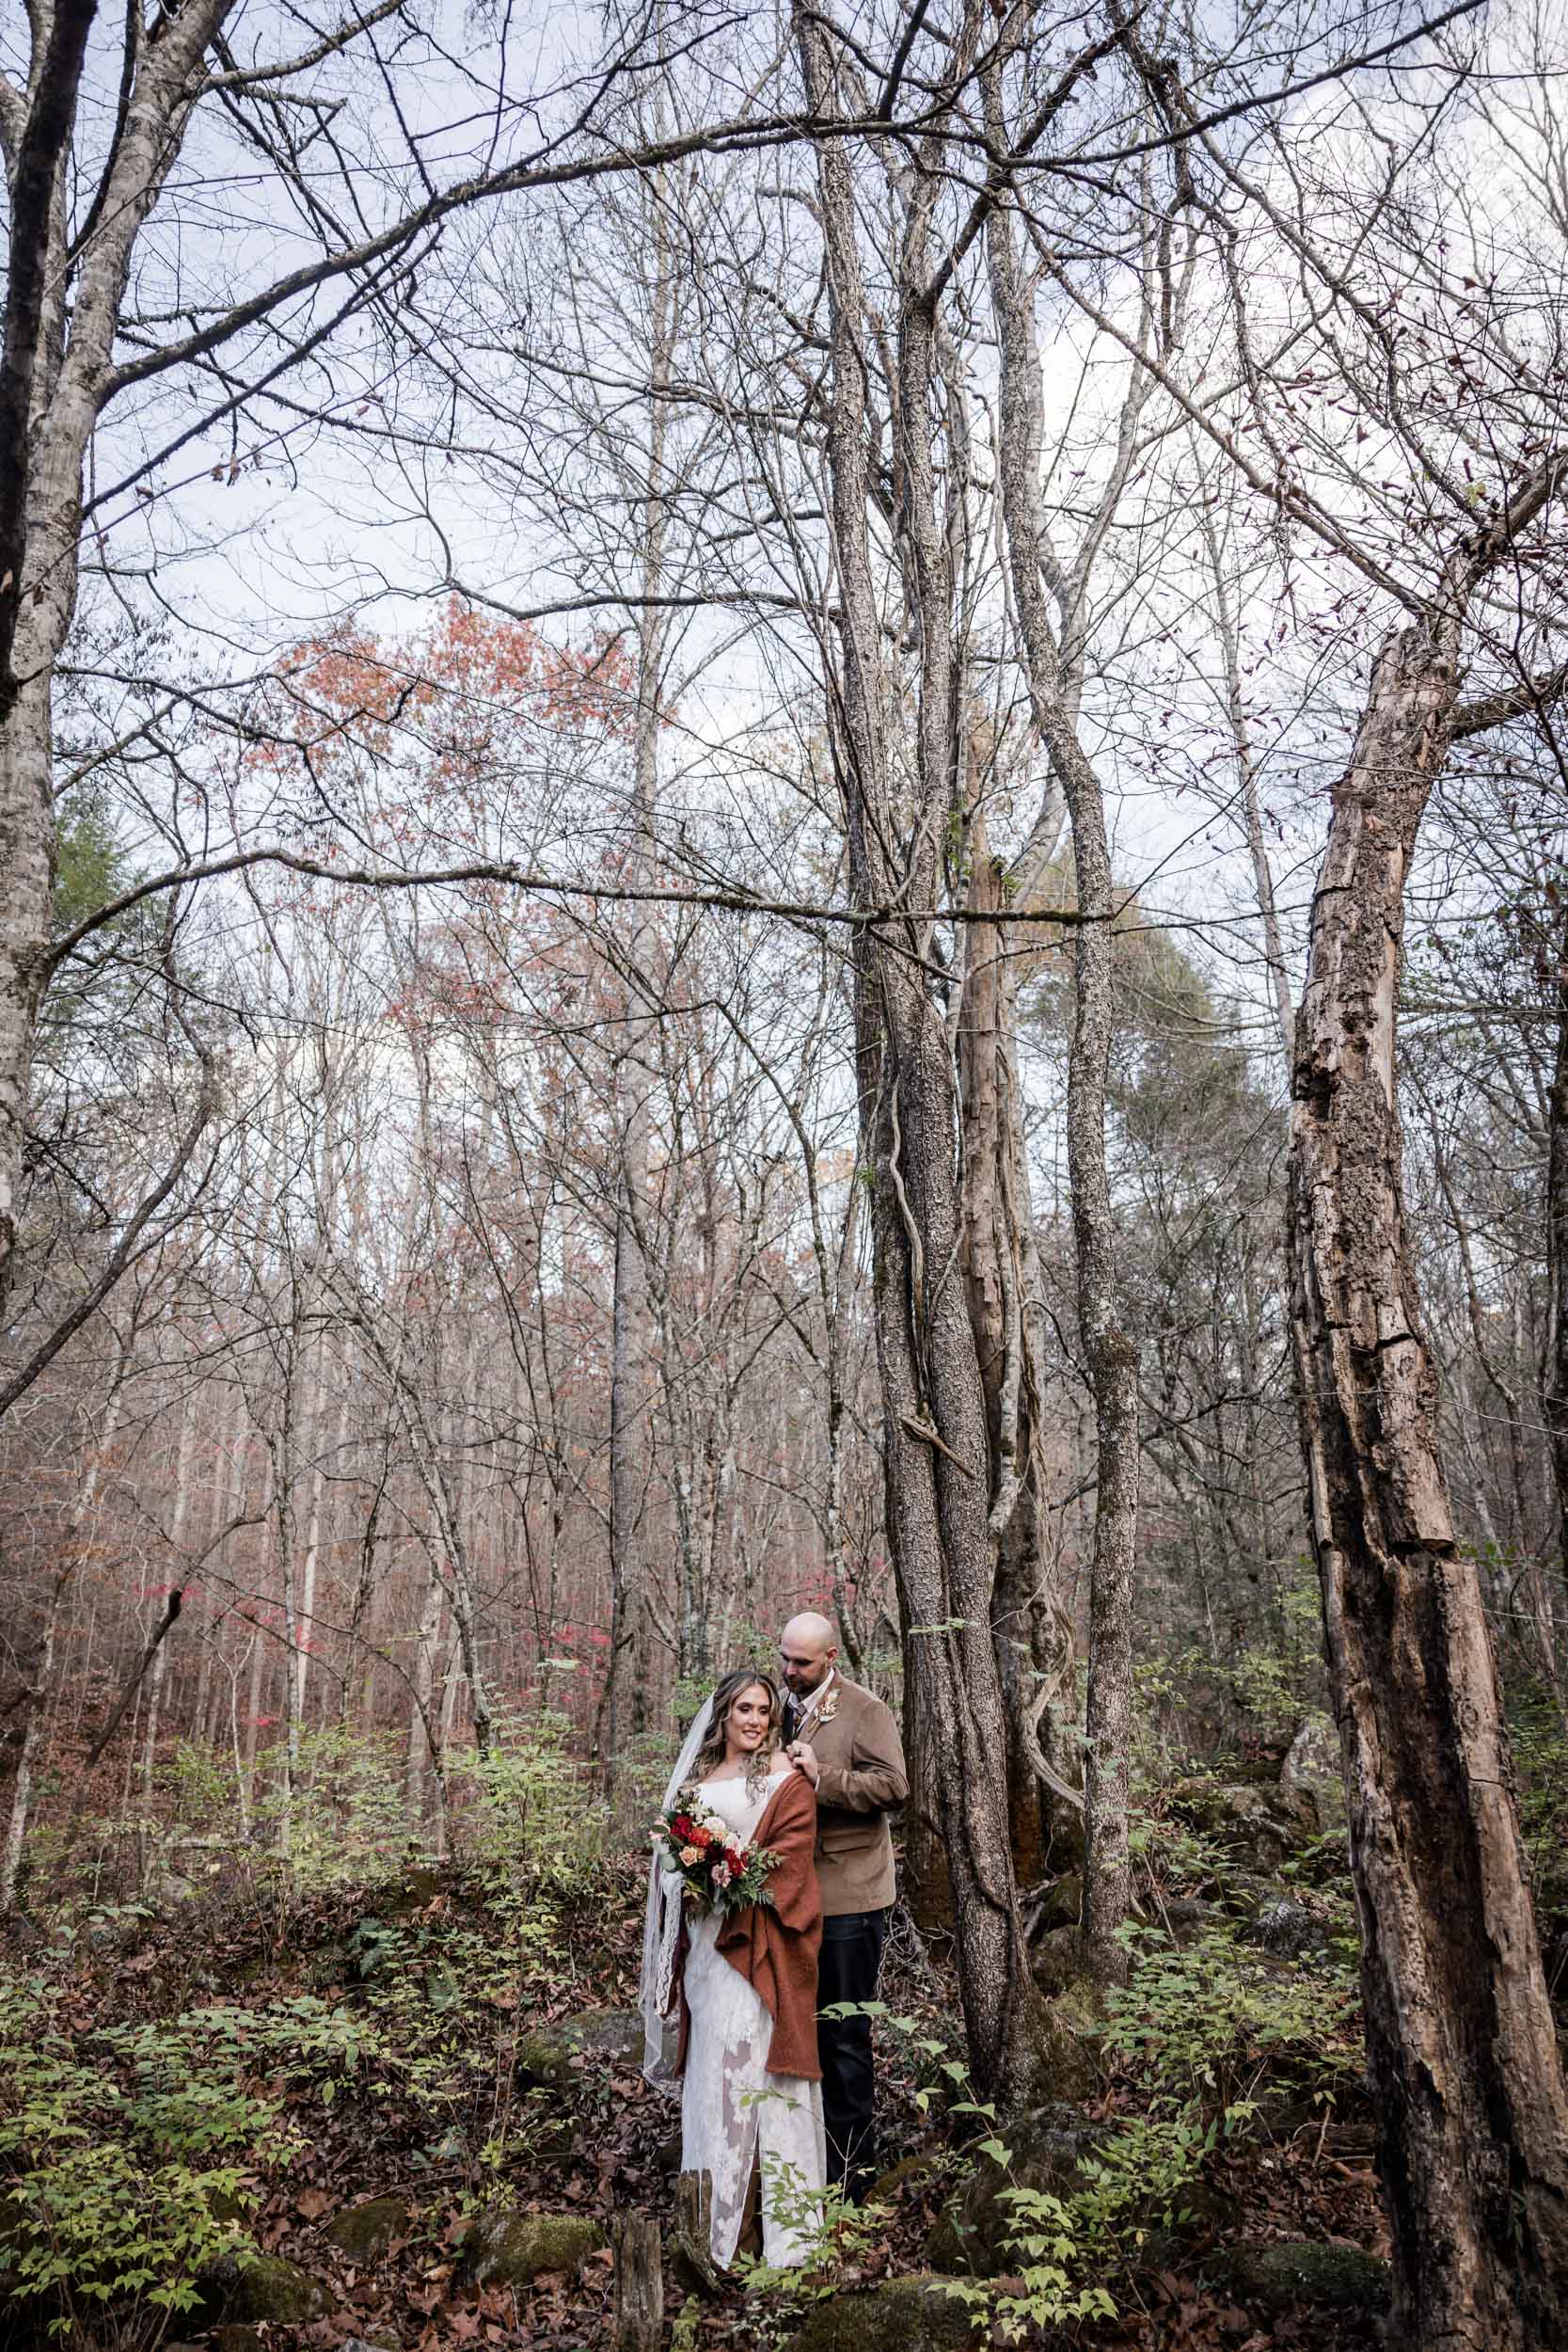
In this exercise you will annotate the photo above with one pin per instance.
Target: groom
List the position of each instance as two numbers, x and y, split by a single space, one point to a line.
847 1743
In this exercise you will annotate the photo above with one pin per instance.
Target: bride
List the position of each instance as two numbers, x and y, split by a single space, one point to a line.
736 1992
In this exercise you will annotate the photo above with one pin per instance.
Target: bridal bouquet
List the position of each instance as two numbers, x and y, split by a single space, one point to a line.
719 1871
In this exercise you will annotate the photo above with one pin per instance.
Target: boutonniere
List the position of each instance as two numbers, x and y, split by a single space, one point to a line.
829 1708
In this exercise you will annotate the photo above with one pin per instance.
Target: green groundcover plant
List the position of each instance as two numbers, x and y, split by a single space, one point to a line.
132 2156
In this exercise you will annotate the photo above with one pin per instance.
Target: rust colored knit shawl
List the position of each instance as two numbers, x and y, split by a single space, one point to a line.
774 1946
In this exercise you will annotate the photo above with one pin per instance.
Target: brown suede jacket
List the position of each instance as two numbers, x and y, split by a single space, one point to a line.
855 1741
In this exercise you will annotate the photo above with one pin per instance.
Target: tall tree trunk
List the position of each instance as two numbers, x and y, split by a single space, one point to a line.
42 1679
52 365
32 1734
1109 1347
1246 766
1472 2120
1113 1362
1556 1257
935 1443
28 861
1001 1274
627 1658
310 1571
628 1428
158 1671
424 1729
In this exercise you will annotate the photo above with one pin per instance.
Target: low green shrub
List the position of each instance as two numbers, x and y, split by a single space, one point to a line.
537 1816
343 1822
130 2154
842 2235
126 2159
1209 2024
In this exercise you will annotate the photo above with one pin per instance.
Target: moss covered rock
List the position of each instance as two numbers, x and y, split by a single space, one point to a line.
1312 1769
510 2249
1047 2151
1061 1905
1057 1959
1288 1925
1065 2063
553 2056
264 2287
899 2316
365 2231
1270 2275
1259 1824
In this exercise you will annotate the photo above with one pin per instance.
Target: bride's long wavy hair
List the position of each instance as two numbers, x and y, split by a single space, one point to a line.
713 1749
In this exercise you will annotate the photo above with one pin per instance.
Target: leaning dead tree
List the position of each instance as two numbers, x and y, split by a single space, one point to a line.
1473 2121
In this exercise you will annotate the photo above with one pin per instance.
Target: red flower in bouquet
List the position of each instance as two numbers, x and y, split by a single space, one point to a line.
717 1869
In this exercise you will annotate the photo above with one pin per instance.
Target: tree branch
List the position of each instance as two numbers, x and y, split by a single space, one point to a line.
1513 702
733 901
117 1260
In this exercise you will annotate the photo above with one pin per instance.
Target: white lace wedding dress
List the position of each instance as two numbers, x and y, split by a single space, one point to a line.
734 2112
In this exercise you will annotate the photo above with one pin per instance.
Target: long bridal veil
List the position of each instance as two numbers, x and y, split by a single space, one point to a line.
662 1922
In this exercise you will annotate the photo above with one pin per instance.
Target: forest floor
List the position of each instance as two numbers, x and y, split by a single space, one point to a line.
420 2100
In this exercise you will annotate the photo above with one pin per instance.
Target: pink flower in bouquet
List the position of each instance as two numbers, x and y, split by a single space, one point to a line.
720 1870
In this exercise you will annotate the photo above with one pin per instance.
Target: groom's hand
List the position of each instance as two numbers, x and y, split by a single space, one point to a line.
803 1756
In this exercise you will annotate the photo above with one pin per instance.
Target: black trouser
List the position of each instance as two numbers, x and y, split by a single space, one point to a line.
847 1970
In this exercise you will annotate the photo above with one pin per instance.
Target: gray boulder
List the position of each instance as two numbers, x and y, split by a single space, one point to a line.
1259 1824
1047 2150
245 2293
553 2056
1286 1927
1056 1959
365 2231
1061 1905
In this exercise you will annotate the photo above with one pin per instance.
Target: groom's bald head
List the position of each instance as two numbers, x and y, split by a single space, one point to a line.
807 1649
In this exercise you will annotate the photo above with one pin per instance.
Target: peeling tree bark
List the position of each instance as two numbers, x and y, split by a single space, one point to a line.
1473 2123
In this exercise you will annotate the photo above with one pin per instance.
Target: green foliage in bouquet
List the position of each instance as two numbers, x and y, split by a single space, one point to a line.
717 1869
